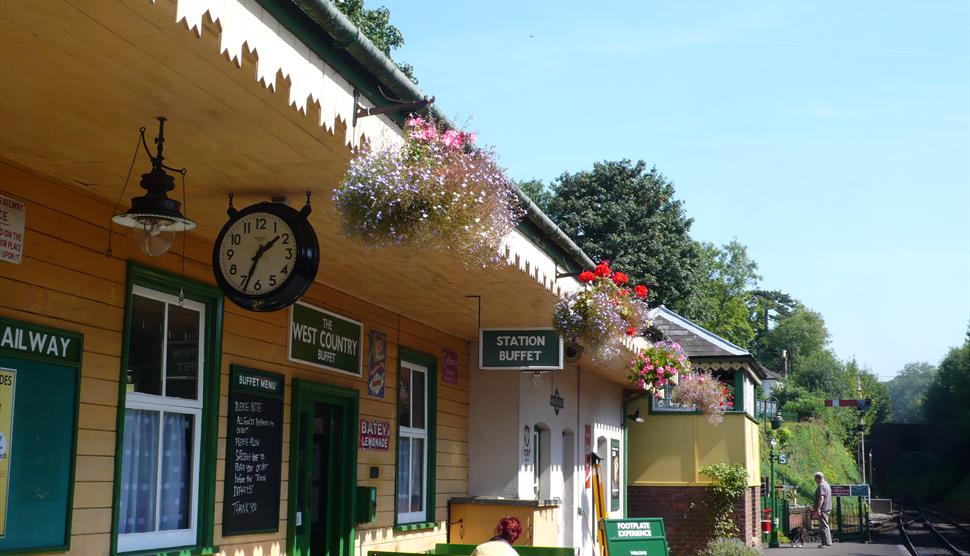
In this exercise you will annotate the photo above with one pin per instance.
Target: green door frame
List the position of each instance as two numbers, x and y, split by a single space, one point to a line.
344 481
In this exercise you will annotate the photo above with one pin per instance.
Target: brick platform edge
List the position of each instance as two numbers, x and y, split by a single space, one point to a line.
686 517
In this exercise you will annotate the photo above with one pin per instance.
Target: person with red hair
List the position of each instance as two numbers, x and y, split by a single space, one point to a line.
508 530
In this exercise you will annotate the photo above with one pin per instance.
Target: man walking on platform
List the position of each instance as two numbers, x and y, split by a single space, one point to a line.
823 505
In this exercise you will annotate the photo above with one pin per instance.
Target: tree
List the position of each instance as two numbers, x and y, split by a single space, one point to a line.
906 391
801 333
623 212
946 399
376 26
538 192
721 301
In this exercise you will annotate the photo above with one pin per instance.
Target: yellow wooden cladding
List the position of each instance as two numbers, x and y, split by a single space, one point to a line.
67 281
670 449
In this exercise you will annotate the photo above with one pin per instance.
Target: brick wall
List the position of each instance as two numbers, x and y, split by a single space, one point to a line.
686 517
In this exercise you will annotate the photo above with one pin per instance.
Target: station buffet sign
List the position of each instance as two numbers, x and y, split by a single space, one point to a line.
324 339
536 349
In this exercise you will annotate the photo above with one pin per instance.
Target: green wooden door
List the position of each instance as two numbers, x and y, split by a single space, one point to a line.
323 470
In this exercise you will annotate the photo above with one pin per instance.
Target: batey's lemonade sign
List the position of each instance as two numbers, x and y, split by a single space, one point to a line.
324 339
537 349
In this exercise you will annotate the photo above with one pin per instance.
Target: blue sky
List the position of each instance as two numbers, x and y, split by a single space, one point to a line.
832 138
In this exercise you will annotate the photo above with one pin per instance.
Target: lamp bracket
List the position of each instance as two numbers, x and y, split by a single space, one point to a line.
157 161
395 106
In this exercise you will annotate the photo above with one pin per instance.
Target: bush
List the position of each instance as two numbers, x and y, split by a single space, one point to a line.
729 547
728 484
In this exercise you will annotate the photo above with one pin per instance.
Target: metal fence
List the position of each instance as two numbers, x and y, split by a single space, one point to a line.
849 519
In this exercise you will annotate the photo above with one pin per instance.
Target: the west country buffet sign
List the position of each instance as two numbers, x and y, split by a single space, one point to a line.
533 349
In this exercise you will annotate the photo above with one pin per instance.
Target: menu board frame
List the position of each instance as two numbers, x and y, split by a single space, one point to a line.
236 387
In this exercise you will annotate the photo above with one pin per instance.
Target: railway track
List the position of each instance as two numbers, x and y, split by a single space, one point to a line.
934 532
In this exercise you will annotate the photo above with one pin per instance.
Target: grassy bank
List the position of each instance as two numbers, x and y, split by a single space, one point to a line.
810 446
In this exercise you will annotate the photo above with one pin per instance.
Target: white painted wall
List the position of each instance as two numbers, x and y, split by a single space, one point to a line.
493 431
601 405
504 403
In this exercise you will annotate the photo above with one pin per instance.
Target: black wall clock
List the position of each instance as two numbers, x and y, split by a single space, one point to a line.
266 256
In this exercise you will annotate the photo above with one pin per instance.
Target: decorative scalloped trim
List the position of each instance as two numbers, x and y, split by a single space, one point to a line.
245 22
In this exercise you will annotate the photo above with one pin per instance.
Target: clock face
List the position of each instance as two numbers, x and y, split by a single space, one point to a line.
257 254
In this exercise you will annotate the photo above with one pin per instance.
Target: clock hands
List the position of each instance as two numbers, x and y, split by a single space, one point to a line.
259 254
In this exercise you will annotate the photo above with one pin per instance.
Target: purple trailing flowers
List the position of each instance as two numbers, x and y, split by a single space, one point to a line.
435 191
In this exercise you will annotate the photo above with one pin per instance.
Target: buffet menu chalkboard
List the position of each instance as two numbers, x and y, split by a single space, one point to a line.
254 446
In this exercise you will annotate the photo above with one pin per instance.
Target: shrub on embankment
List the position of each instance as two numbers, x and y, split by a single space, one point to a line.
811 446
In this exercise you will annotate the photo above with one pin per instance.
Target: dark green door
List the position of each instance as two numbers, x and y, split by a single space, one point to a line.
323 470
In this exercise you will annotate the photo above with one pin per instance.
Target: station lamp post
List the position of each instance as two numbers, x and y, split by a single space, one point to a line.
775 425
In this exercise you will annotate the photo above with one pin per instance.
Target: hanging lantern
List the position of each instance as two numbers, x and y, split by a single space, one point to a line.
154 217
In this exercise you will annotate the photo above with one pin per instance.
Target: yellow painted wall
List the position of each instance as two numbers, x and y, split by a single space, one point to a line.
67 281
669 450
475 523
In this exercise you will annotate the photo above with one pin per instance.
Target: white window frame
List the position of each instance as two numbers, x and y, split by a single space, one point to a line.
411 433
128 542
667 404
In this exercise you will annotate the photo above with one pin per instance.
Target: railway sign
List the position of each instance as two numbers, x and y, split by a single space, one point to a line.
862 405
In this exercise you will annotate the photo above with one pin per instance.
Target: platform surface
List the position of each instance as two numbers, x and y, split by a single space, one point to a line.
842 549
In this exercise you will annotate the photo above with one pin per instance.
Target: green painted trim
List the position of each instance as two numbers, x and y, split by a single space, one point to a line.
178 551
423 526
739 391
431 362
174 284
307 392
323 45
533 233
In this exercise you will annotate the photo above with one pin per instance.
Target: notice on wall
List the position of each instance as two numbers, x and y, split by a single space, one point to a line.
538 349
8 384
614 475
375 435
449 367
324 339
376 364
13 216
254 446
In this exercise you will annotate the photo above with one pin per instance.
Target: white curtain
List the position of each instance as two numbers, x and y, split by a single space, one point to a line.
175 504
139 471
140 492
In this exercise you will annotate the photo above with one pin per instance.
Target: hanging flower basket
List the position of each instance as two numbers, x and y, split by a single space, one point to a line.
434 192
658 365
706 393
599 316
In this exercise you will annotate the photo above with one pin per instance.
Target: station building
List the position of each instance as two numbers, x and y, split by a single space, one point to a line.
143 412
147 413
668 450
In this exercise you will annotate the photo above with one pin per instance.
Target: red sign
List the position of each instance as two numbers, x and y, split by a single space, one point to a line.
587 444
449 374
375 436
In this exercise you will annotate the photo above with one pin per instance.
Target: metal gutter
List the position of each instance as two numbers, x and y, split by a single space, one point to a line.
326 15
552 231
329 17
